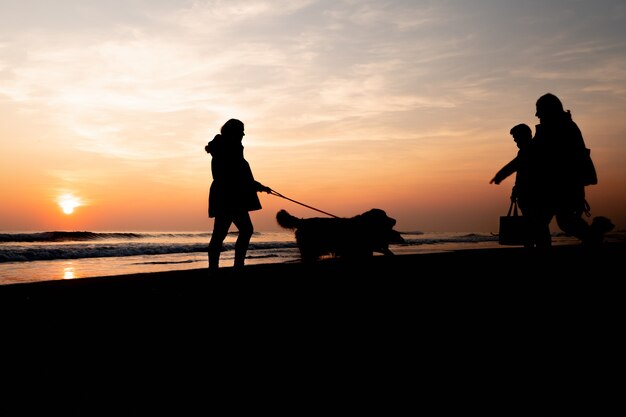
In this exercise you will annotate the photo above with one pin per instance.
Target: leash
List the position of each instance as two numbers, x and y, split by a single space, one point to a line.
297 202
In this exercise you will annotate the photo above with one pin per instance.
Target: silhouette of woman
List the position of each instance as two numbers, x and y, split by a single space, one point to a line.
558 149
233 192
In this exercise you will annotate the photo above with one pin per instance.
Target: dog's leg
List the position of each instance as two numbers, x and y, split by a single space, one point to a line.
307 256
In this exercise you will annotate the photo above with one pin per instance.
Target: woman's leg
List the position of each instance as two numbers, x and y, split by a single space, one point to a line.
570 209
244 224
573 224
220 230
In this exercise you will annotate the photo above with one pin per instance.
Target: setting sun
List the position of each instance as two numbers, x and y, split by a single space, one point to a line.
68 202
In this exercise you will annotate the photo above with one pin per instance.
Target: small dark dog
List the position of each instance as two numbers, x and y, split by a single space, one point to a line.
598 228
352 237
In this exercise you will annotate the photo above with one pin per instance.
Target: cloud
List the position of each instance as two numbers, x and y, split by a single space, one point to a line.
161 76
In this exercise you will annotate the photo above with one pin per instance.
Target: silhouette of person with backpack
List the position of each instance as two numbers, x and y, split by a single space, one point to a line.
233 192
557 163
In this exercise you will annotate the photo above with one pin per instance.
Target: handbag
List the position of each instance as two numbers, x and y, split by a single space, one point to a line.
512 227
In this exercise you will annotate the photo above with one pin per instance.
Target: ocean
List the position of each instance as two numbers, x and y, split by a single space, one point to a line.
54 255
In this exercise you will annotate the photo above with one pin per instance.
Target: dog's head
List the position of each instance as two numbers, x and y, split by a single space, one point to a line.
378 230
378 218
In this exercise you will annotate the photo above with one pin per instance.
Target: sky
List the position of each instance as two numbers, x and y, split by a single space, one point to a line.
348 105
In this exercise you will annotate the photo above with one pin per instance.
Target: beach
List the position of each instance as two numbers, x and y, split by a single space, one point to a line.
484 329
506 277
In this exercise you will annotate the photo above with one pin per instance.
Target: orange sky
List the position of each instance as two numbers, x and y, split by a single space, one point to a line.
404 106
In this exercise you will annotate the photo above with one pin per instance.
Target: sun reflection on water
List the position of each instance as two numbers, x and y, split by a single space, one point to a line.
68 272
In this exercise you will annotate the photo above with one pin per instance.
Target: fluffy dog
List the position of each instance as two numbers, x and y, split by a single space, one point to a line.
349 237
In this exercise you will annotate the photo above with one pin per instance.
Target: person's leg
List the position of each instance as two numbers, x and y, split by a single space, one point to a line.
244 224
539 218
542 216
220 230
571 204
527 215
572 223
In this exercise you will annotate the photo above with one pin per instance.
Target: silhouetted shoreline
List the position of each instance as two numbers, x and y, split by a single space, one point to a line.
462 274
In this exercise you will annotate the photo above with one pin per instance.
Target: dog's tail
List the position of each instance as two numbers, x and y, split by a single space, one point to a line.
286 220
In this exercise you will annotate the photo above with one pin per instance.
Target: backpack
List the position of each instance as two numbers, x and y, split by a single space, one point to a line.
588 173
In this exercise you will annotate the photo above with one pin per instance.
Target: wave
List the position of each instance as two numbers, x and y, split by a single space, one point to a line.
41 252
56 236
443 238
55 245
46 246
81 236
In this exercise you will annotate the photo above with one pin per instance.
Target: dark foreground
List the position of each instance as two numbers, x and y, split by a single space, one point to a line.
501 324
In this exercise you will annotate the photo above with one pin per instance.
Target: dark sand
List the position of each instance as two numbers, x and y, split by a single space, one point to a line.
487 332
507 279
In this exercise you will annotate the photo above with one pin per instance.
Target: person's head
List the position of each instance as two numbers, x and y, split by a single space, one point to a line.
549 107
522 134
233 128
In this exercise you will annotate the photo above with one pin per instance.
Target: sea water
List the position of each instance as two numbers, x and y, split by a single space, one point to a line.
54 255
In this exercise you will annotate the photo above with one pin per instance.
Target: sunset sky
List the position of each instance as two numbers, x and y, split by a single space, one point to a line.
106 106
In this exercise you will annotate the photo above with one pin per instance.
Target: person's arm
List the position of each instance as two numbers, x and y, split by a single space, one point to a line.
505 172
260 187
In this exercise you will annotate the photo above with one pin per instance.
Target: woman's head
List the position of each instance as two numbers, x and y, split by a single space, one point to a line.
549 107
233 128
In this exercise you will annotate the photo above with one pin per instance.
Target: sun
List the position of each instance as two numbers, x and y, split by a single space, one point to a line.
68 202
